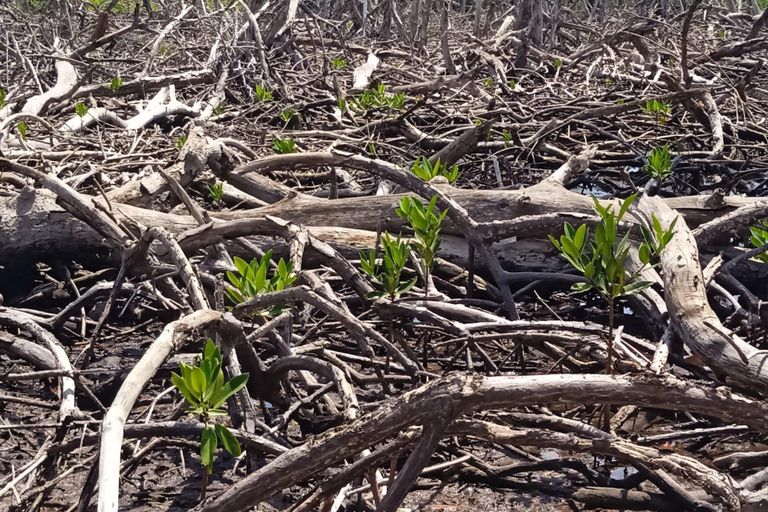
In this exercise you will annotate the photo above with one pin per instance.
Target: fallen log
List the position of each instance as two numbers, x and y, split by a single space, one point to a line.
464 393
690 313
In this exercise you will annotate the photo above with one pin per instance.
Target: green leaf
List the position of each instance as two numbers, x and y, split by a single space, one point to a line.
241 265
208 448
568 247
235 296
197 383
570 231
210 349
581 287
228 441
227 390
580 237
625 206
406 286
178 381
589 270
260 279
644 253
115 84
81 109
657 227
433 203
636 287
186 371
600 209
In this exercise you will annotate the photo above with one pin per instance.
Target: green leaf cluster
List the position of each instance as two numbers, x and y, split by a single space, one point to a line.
262 93
660 110
338 63
288 114
659 164
601 259
3 95
425 222
206 392
216 191
22 129
180 142
378 98
426 171
284 146
759 238
115 84
386 271
251 280
81 109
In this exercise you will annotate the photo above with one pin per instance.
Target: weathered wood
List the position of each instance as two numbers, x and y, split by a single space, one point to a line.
466 393
689 310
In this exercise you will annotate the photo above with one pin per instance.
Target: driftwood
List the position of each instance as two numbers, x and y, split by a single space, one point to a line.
120 223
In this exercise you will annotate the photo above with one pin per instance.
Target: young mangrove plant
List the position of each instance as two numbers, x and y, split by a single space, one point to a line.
659 164
659 110
378 98
338 63
81 109
262 93
289 115
284 146
22 129
425 222
115 84
426 170
386 271
601 259
251 280
206 392
759 238
216 191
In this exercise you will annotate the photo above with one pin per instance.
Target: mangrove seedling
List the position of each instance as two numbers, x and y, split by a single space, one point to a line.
115 84
386 271
759 238
601 259
378 98
206 392
284 146
426 170
659 110
289 114
659 164
22 129
262 93
81 109
251 280
216 191
425 222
